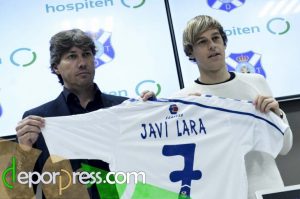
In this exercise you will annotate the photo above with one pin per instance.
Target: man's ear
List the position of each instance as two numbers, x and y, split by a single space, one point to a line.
55 68
191 57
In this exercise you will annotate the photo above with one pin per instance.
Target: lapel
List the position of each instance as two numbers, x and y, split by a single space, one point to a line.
106 101
60 107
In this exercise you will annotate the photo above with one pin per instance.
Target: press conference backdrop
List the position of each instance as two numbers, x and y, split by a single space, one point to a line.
263 38
135 47
133 40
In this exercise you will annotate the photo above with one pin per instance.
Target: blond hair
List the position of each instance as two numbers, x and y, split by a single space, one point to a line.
197 26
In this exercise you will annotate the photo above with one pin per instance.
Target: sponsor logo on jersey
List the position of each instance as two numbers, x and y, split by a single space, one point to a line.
247 62
105 52
226 5
173 109
175 114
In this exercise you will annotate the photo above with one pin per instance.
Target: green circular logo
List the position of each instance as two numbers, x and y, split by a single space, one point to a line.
128 3
13 54
284 26
138 88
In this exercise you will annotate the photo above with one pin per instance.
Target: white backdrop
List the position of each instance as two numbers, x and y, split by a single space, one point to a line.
263 34
135 48
139 55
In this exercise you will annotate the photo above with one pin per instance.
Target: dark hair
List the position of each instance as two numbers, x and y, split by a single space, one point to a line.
63 41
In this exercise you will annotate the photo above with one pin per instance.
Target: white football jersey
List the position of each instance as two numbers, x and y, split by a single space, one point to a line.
192 146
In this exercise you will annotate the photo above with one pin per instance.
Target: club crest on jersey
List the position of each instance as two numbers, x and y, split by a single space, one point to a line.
247 62
226 5
105 52
173 109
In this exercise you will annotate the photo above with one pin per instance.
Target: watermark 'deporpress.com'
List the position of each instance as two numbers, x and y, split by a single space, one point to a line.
63 176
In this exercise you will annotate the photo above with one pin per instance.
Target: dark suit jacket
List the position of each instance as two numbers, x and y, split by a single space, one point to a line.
58 107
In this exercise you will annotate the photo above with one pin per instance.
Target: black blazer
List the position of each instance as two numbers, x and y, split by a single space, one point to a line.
58 107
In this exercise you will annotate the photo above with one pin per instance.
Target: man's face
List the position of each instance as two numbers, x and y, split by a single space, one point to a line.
77 68
209 51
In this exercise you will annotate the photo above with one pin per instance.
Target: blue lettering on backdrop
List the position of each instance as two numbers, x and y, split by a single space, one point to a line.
242 30
123 93
187 174
87 4
138 88
272 24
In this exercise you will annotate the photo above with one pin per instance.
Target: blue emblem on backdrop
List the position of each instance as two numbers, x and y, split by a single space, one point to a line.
105 52
0 110
226 5
247 62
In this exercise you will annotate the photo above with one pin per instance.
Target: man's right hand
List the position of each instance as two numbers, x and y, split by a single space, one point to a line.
28 130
